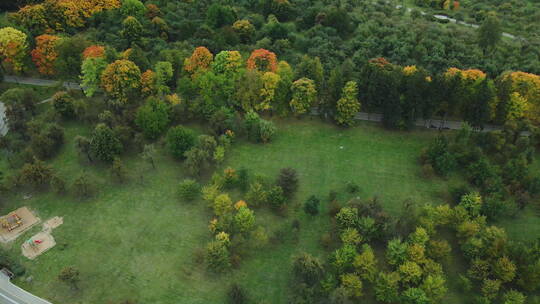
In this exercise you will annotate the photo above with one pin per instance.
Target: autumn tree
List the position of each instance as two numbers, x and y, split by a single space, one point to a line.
13 47
262 60
270 82
121 80
199 62
45 53
244 29
94 51
304 94
148 83
348 105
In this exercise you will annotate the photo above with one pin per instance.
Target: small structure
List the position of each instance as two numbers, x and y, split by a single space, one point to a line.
37 245
12 221
16 223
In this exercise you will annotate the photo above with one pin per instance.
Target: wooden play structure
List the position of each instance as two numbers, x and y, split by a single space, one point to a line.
12 221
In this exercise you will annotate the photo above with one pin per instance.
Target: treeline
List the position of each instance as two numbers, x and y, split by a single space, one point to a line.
331 31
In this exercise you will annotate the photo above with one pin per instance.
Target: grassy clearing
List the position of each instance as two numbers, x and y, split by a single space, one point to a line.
138 241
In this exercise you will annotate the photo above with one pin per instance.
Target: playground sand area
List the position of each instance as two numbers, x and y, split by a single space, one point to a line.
28 221
43 240
31 249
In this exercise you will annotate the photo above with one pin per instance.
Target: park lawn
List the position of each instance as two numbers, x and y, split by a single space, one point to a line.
138 241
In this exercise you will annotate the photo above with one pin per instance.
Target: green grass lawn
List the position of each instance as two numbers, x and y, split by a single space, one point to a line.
138 241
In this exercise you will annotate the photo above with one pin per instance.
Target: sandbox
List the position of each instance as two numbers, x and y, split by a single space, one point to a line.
27 221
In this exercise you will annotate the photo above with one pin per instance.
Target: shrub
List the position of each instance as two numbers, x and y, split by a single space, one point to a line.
63 104
36 174
83 187
311 205
180 140
236 295
288 181
275 198
58 185
258 129
189 189
352 187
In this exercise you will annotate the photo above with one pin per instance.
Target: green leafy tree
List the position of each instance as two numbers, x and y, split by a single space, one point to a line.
180 140
366 264
222 205
104 144
311 206
343 258
352 285
304 94
490 32
218 256
514 297
69 61
219 15
435 288
132 29
490 288
387 287
348 105
153 117
132 8
396 251
91 70
164 74
347 217
244 219
414 296
307 269
410 272
504 269
189 189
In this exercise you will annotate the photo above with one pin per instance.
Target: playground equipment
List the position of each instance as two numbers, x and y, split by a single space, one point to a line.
11 222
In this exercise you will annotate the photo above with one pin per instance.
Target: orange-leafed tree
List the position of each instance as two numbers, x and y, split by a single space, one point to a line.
121 80
200 61
94 51
13 47
148 83
262 60
45 54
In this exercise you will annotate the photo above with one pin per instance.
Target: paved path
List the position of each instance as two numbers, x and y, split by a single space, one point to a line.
12 294
444 17
40 82
426 123
3 122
